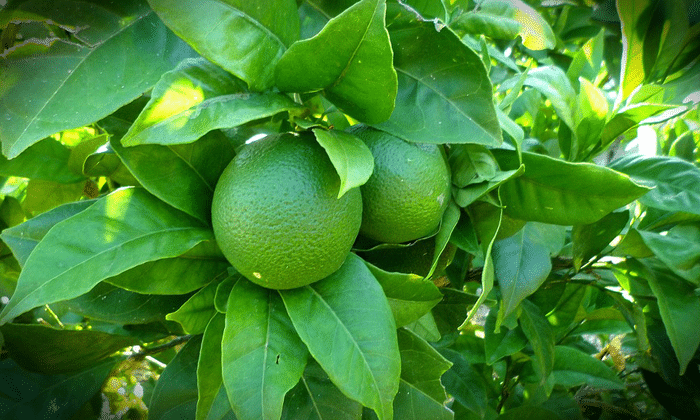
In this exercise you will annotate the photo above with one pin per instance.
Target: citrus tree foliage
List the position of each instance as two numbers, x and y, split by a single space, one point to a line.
563 281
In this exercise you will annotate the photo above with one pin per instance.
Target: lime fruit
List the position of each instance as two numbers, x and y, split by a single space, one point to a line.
408 191
276 215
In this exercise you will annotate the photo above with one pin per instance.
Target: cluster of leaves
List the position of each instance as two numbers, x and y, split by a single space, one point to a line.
556 272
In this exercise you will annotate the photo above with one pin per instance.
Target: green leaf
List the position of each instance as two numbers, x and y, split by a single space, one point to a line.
675 182
409 296
262 356
634 19
350 156
184 175
223 290
48 396
112 304
121 50
552 83
590 239
175 394
48 350
350 60
23 238
195 314
316 398
464 384
347 325
629 117
573 367
587 60
421 394
679 305
529 412
195 98
678 248
122 230
521 266
590 117
443 97
499 344
42 196
506 19
212 401
46 160
450 218
540 336
244 38
469 194
562 193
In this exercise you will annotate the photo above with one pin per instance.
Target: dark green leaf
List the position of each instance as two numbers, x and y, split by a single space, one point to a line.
223 290
558 192
195 98
350 60
540 336
464 384
573 367
212 401
588 240
529 412
245 38
450 218
175 394
121 50
348 327
262 356
122 230
679 249
47 350
469 194
350 156
443 97
499 344
46 160
195 314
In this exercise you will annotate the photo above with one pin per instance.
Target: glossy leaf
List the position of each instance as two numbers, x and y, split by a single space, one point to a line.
634 20
588 240
350 156
23 238
469 194
409 296
175 394
573 367
521 266
675 182
347 324
212 401
195 314
506 19
43 349
590 117
421 395
124 229
443 97
48 396
223 290
558 192
540 336
316 398
678 304
121 50
552 83
246 39
262 356
629 117
350 60
46 160
195 98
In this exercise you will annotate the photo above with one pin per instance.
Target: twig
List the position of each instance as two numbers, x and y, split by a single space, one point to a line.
161 347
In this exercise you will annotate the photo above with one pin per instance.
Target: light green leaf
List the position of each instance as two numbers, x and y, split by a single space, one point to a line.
316 398
350 60
573 367
629 117
590 117
540 336
46 160
262 356
552 82
558 192
122 230
470 164
175 394
421 394
676 182
409 296
678 248
350 156
195 314
468 195
448 224
212 401
443 97
223 290
347 325
634 19
521 266
195 98
679 306
506 19
587 60
245 38
121 50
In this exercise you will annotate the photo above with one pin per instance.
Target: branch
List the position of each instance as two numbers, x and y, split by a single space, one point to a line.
161 347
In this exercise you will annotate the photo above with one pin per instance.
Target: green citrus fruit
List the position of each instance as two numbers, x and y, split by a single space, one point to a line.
408 191
276 215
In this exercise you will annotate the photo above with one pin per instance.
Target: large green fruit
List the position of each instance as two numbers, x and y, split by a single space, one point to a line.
276 215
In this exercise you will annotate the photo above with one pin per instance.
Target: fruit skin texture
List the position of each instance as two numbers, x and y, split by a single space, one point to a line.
276 215
408 191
